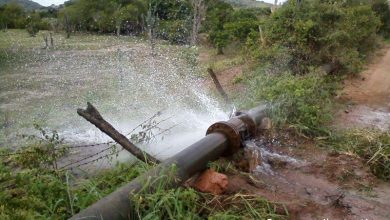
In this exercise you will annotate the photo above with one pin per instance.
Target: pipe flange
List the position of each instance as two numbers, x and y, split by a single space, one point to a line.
232 135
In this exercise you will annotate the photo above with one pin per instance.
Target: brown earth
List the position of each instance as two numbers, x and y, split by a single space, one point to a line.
322 185
367 97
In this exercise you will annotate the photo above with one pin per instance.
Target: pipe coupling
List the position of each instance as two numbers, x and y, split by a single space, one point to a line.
236 130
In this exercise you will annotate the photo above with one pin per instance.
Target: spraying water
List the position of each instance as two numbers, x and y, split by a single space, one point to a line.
125 83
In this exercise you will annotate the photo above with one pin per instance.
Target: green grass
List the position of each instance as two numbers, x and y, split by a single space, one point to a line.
186 203
371 145
41 194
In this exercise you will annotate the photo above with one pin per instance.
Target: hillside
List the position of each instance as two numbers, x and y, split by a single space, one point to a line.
27 4
248 3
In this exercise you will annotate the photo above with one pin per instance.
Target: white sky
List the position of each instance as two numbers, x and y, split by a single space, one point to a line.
57 2
49 2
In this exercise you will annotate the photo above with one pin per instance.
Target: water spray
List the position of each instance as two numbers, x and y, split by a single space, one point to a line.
222 139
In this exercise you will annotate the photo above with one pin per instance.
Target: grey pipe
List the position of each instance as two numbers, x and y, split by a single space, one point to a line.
188 162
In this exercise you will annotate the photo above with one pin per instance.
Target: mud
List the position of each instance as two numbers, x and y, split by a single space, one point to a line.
324 185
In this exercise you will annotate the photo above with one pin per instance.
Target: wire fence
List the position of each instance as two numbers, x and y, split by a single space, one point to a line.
147 128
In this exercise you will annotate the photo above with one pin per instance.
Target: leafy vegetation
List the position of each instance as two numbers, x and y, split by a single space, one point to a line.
303 102
33 187
315 33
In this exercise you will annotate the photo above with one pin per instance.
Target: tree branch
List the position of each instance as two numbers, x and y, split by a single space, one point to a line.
218 85
92 115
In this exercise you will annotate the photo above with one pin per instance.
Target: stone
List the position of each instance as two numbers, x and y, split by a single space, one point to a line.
212 182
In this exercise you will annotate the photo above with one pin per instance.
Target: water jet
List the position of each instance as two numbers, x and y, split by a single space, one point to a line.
222 139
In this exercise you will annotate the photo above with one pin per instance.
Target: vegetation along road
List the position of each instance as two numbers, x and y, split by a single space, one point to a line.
161 72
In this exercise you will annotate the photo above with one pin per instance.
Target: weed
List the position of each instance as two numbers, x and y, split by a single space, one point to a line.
303 102
241 206
157 201
43 153
372 145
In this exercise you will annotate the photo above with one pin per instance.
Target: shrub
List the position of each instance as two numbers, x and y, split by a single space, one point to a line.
318 32
301 101
174 31
33 23
381 8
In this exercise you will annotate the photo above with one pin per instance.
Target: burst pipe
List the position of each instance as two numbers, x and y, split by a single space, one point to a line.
222 139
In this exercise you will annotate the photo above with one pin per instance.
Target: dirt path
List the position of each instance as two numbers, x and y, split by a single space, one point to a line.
312 183
367 97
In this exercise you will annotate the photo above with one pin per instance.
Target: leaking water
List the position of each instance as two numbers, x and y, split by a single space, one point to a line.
263 156
125 83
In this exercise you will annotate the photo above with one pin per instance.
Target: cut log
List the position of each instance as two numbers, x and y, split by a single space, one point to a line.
92 115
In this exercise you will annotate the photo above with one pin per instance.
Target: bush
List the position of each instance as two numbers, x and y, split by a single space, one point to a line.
381 8
33 23
303 102
174 31
317 32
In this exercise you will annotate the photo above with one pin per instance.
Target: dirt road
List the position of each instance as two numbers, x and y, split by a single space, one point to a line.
367 97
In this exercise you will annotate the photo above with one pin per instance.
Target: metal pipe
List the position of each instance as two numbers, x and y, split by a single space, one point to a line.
222 138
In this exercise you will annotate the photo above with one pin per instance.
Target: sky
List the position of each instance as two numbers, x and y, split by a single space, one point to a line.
57 2
49 2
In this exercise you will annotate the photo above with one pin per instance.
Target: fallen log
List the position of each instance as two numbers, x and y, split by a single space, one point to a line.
92 115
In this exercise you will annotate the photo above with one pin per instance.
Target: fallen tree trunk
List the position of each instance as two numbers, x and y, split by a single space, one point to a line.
92 115
218 85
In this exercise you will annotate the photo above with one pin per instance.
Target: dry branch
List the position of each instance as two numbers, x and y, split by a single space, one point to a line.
218 85
92 115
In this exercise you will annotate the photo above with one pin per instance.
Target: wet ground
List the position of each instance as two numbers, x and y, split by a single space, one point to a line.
313 183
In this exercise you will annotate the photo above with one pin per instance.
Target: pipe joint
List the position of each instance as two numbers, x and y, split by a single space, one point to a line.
237 129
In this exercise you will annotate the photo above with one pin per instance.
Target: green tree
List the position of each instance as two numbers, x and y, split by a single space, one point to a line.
217 15
12 16
316 33
381 8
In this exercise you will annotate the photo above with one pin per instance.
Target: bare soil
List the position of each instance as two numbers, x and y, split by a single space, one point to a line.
367 96
323 185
